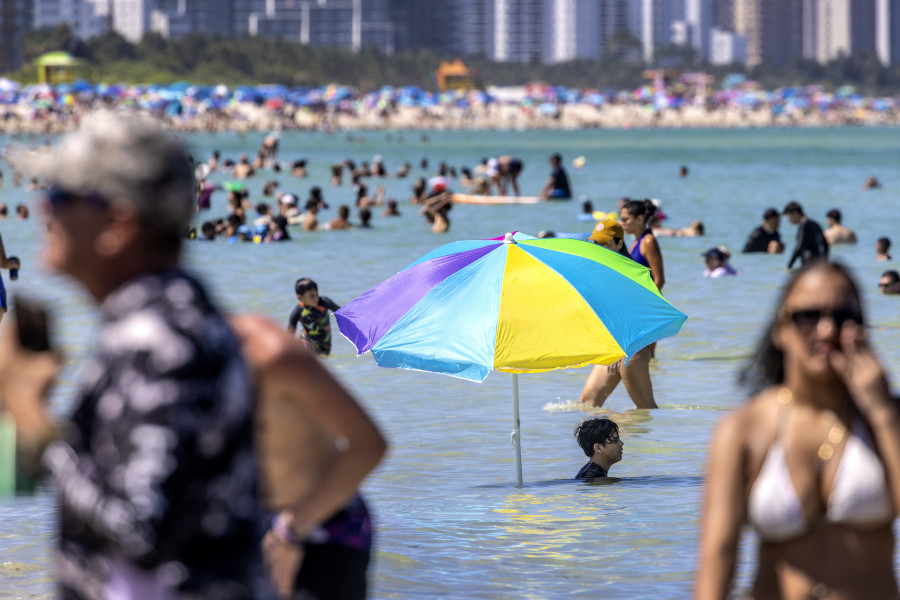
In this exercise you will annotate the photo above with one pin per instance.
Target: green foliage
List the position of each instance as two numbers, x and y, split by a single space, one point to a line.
130 72
209 60
110 47
210 74
50 39
863 71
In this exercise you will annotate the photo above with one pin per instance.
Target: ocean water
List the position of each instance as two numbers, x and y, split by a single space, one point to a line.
450 521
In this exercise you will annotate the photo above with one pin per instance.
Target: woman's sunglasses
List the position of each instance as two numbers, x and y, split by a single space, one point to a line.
808 318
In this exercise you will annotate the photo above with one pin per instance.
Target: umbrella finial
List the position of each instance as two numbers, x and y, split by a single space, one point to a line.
508 238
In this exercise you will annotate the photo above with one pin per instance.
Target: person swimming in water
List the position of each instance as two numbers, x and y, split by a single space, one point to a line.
871 183
837 233
599 440
503 172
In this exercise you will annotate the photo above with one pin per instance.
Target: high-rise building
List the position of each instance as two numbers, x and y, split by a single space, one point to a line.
656 19
698 15
15 21
473 31
809 28
887 31
723 15
615 19
49 13
727 47
573 30
454 29
241 14
177 18
519 30
773 29
862 27
843 27
86 18
131 18
349 24
279 19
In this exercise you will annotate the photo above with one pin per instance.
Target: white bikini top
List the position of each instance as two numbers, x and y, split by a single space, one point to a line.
859 493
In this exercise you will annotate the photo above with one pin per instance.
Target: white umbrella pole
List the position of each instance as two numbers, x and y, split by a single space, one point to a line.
516 433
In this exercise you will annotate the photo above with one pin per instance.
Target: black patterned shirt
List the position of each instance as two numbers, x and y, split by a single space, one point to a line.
156 468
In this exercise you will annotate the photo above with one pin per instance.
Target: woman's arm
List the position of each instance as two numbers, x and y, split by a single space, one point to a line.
723 510
650 249
286 368
26 378
5 262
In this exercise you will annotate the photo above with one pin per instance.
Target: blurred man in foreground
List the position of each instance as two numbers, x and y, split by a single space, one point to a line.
156 466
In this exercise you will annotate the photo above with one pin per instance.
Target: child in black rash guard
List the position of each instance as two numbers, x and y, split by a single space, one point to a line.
312 314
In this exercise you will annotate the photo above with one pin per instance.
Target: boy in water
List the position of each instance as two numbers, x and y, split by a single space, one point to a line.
312 313
599 439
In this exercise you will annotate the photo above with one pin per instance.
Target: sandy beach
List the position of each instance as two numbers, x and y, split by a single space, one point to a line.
27 118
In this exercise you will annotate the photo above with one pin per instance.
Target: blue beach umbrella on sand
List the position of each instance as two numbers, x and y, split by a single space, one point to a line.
8 85
473 306
548 108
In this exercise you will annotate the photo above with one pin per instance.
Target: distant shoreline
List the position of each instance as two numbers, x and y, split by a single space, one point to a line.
25 120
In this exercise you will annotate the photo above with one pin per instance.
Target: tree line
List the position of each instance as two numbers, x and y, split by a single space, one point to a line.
247 60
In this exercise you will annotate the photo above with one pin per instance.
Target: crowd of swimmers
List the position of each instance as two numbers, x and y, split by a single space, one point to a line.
281 213
822 410
279 210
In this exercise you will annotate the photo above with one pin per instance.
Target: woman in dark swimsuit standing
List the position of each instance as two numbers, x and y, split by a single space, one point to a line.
636 216
603 379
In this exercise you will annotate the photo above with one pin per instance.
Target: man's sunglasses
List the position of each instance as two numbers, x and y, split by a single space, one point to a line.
58 198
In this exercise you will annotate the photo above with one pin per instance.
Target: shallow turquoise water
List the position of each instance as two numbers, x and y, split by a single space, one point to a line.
450 522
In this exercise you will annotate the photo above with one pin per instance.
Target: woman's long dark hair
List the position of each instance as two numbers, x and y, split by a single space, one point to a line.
766 367
640 208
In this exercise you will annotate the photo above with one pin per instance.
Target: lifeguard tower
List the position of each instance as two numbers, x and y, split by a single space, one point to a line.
58 67
453 75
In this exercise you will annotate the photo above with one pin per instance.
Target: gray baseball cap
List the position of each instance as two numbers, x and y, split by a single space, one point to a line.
124 158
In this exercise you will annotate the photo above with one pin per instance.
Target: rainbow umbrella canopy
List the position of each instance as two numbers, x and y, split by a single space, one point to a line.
516 304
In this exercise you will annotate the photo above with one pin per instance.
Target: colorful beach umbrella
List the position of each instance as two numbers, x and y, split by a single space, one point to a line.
516 304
